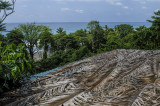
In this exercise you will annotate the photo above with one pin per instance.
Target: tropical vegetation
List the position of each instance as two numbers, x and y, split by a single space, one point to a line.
20 45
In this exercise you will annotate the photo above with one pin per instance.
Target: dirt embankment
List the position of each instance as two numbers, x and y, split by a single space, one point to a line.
116 78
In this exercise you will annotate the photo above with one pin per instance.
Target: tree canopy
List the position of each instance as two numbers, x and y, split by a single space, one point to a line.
31 34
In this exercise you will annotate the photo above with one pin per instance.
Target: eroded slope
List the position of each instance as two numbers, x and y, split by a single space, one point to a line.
116 78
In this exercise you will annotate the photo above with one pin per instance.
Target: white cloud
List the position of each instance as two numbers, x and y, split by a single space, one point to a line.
145 1
72 10
114 2
141 1
154 0
65 9
125 7
79 11
118 3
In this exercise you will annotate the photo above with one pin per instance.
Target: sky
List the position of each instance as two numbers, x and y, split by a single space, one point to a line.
83 10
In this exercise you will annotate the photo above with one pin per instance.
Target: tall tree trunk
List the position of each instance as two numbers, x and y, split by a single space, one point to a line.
31 51
45 51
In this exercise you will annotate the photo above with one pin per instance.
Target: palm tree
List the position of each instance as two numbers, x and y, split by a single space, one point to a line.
31 34
46 41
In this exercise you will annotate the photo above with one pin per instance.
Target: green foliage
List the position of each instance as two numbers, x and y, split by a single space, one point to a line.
63 42
98 37
2 27
83 38
140 28
81 53
155 28
81 33
15 36
61 58
60 31
92 25
14 64
46 41
156 19
147 39
1 37
5 5
31 34
107 30
71 42
123 29
113 42
128 42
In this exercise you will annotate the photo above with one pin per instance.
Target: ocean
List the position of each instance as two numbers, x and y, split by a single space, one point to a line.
71 27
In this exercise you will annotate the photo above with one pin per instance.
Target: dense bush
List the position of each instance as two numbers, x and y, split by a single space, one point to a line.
14 65
61 58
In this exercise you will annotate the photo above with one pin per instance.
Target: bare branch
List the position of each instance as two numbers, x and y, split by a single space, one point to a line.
5 14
